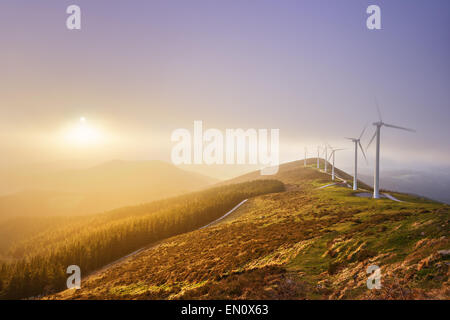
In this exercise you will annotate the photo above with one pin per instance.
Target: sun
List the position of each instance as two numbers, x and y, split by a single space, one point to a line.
83 133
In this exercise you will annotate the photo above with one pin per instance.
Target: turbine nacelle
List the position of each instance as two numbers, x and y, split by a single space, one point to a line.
378 124
357 141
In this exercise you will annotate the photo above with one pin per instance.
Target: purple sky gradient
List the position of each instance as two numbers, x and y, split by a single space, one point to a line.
310 68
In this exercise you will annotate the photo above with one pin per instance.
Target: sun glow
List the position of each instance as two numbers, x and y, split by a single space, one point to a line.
83 133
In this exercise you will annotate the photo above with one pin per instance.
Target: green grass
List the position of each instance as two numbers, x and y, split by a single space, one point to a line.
305 243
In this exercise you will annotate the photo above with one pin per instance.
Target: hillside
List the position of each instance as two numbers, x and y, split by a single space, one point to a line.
304 243
294 173
37 264
104 187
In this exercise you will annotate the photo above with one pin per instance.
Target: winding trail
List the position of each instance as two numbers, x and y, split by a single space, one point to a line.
154 244
392 197
225 215
327 185
343 181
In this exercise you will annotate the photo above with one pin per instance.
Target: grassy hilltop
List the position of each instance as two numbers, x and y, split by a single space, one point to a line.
302 243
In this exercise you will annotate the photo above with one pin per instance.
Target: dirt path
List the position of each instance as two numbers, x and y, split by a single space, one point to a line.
392 197
328 185
225 215
134 253
382 195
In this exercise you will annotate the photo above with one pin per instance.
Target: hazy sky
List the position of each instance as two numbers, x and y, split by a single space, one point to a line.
140 69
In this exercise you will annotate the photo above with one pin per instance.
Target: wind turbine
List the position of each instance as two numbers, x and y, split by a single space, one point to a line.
357 142
326 157
304 160
332 155
379 124
318 155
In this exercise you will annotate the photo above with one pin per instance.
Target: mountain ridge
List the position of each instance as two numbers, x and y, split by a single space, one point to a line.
103 187
303 243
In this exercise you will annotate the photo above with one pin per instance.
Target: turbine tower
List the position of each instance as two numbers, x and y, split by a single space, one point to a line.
318 152
379 124
357 142
332 155
325 159
304 160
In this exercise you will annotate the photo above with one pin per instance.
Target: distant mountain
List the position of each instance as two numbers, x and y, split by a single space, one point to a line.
434 185
103 187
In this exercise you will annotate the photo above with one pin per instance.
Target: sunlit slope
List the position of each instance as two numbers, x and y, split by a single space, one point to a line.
104 187
304 243
295 173
37 264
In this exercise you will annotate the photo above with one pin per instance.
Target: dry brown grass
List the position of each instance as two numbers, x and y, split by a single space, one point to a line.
301 244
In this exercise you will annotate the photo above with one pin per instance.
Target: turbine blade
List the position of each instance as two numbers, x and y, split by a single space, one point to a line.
360 136
378 109
371 140
349 138
397 127
329 158
364 154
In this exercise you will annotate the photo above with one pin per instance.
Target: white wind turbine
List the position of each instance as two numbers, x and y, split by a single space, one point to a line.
379 124
325 159
332 155
318 155
304 160
357 142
